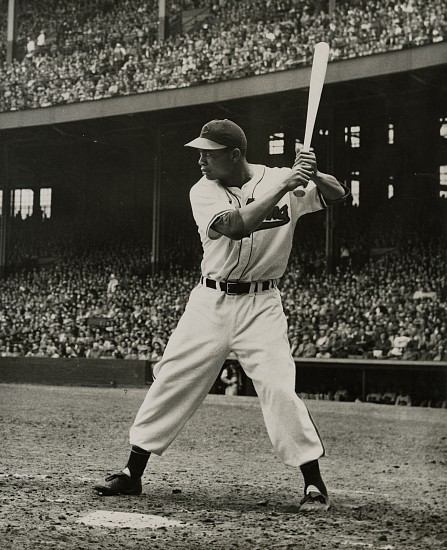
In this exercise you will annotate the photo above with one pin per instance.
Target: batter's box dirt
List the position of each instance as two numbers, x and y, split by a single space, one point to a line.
231 492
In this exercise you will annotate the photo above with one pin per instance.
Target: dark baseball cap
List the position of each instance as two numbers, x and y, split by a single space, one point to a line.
219 134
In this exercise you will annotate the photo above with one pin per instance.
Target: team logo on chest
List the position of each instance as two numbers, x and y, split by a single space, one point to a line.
277 217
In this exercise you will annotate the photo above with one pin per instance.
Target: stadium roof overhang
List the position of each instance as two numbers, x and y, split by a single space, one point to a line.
41 138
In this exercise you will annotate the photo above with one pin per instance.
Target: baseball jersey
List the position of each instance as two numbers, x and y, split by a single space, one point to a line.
264 254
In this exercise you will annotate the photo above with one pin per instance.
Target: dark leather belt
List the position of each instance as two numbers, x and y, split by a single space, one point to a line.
236 287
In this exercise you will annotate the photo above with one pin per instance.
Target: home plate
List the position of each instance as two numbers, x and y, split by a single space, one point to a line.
104 518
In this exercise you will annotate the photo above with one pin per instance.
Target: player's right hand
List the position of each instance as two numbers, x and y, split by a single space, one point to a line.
298 176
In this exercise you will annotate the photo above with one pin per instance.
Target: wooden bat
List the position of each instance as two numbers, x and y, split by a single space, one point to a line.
317 76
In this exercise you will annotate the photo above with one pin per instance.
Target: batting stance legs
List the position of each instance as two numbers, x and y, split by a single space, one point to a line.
214 323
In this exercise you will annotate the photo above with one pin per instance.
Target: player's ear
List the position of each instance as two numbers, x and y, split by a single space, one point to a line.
236 155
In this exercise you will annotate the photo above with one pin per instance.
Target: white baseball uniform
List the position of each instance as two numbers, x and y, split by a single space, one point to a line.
252 325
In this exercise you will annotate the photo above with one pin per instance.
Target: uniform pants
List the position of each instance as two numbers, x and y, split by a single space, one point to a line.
254 327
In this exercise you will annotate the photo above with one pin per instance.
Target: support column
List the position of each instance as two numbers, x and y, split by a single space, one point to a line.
36 203
5 218
374 164
257 127
155 256
341 154
332 248
417 147
162 20
11 33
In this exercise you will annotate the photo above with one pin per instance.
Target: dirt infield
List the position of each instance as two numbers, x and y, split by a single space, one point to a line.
385 468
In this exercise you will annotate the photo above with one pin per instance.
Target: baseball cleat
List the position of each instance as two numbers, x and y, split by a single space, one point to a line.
314 499
119 484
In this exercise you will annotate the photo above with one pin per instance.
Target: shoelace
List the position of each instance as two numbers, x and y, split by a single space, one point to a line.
314 498
114 476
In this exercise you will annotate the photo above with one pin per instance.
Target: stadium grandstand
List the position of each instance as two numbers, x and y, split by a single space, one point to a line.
94 50
98 248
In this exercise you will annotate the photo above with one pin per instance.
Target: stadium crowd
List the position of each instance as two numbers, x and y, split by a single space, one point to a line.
390 306
394 307
93 50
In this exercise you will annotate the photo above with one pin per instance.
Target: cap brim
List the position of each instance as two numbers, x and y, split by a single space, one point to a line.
202 143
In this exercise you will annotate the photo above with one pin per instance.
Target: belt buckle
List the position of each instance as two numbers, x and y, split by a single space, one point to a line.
228 291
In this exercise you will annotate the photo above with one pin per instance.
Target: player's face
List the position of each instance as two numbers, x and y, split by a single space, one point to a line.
216 164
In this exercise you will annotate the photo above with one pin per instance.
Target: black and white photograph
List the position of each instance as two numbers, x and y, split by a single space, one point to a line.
223 274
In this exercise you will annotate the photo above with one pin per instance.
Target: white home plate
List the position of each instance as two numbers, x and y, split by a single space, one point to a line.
104 518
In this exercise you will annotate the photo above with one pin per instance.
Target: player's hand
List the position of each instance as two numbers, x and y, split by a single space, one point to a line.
298 176
306 159
306 165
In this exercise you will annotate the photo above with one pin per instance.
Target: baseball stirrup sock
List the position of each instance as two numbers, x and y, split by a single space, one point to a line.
312 476
137 461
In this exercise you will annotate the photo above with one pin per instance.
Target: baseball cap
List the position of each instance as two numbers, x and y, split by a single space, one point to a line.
219 134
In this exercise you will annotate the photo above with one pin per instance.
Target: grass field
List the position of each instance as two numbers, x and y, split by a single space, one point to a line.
385 468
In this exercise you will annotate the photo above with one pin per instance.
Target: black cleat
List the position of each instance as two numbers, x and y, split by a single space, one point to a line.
314 499
119 484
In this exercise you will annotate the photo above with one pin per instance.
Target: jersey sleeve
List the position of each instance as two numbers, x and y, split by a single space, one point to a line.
312 201
208 202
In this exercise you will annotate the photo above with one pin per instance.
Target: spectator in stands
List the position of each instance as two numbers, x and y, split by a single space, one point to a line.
94 351
440 354
411 351
69 352
41 42
33 352
112 285
157 352
133 354
30 47
80 349
338 346
144 353
382 346
399 343
344 256
432 341
307 348
9 351
160 338
111 352
323 342
359 343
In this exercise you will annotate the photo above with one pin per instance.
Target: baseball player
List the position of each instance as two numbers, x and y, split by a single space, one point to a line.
246 215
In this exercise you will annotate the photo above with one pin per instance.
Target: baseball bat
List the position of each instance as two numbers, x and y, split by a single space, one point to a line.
317 76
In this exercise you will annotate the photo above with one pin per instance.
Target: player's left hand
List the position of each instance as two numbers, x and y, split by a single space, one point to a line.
307 160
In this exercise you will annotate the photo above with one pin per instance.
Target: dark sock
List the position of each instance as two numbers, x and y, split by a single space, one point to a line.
312 476
137 461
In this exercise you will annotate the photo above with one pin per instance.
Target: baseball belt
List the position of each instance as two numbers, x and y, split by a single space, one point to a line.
236 287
